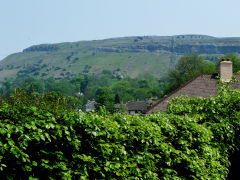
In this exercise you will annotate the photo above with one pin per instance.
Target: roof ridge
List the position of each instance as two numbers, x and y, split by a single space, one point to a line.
171 93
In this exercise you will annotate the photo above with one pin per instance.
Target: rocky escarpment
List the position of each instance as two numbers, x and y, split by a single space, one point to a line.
133 56
181 49
41 48
183 44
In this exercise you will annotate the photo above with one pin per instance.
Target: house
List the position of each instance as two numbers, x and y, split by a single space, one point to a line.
89 106
134 107
204 85
140 106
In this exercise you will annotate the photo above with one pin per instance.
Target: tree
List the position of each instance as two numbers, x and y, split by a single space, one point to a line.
117 99
105 97
124 89
143 83
235 60
187 67
84 84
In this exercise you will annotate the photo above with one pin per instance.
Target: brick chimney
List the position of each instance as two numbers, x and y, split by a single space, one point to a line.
225 70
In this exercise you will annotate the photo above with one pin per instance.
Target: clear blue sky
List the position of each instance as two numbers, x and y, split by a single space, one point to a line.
29 22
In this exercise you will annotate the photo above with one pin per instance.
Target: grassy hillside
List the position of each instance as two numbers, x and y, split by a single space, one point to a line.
128 56
53 64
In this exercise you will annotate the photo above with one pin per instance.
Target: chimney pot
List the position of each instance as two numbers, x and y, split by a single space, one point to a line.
225 70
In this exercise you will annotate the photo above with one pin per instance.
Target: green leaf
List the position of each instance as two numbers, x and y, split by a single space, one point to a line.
25 142
42 137
11 143
48 137
94 133
69 138
34 163
28 126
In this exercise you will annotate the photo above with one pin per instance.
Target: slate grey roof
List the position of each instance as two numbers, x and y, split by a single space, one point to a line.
137 106
89 106
204 85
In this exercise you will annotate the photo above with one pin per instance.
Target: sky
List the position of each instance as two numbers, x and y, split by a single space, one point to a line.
30 22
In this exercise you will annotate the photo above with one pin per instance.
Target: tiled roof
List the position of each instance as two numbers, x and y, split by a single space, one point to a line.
137 106
203 85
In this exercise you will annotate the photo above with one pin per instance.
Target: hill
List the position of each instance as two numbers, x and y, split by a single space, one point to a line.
127 56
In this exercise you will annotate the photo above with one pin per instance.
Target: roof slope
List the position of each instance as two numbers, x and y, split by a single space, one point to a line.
203 85
137 106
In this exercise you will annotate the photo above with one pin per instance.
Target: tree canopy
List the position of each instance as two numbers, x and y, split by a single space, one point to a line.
235 60
186 68
43 139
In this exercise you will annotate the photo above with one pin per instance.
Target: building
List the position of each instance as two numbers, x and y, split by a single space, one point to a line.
140 106
204 85
134 107
89 106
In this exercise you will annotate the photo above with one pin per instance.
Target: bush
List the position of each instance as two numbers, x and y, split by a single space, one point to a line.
43 138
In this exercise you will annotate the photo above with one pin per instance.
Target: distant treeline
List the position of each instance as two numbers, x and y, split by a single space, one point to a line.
87 87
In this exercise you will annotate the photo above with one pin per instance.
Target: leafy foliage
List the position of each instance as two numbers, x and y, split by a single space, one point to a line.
84 87
220 114
235 60
186 68
43 138
105 97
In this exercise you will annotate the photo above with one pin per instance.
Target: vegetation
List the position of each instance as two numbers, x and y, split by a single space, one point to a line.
86 87
105 97
128 56
118 89
187 67
45 136
235 60
42 136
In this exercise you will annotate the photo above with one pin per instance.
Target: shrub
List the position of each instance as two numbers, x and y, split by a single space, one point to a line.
43 137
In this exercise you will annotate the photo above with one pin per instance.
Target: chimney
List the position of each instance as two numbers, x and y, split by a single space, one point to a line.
225 70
